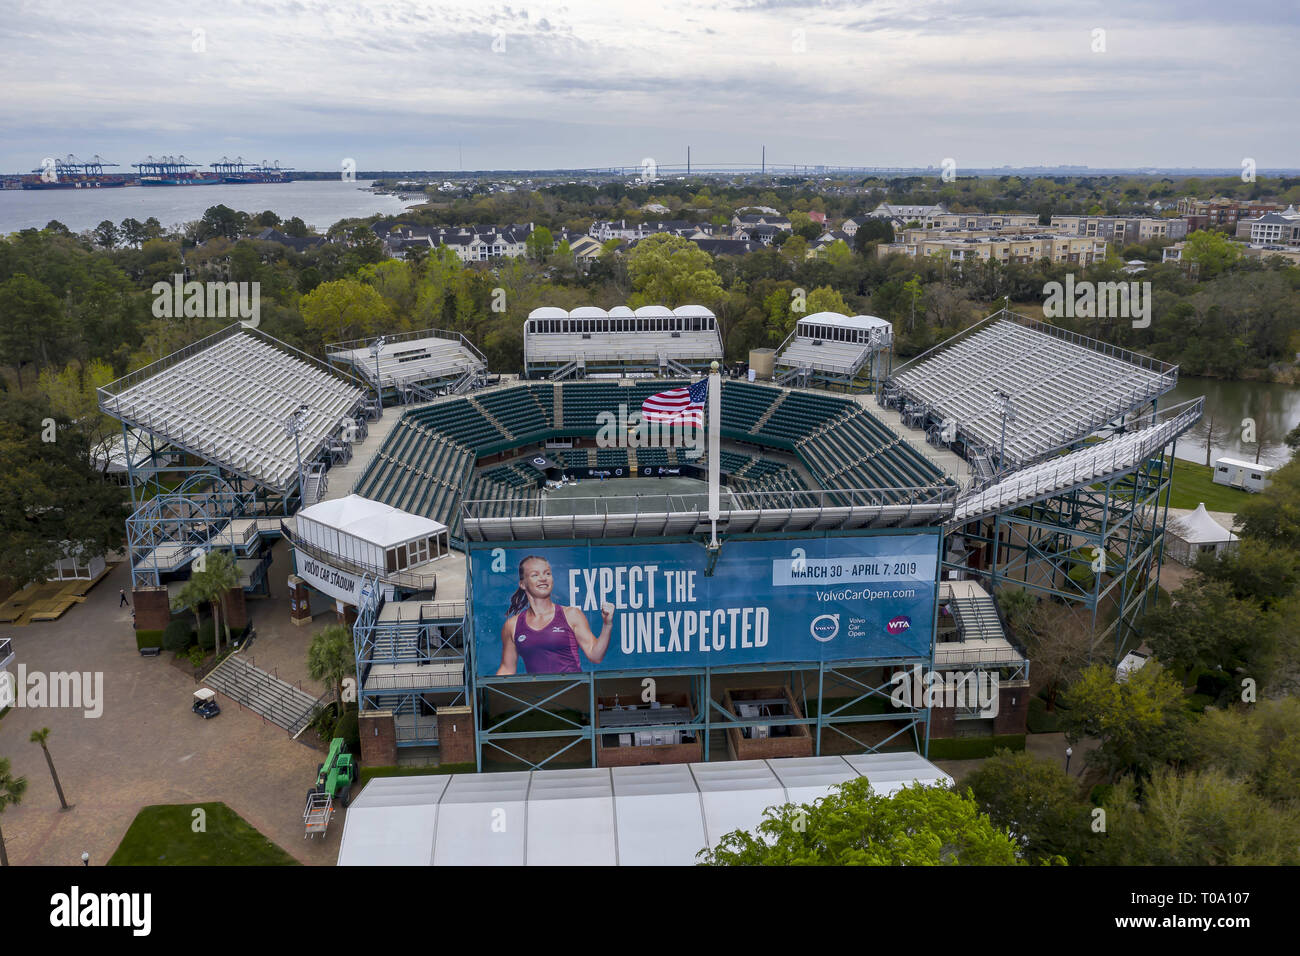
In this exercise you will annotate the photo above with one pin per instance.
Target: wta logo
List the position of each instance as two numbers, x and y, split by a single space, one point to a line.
899 625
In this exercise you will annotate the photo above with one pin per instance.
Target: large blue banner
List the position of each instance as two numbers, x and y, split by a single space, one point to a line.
563 609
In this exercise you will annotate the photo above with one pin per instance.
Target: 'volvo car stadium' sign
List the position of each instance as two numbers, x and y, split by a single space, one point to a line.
343 586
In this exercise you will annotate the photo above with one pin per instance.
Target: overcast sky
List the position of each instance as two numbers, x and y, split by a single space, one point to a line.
399 84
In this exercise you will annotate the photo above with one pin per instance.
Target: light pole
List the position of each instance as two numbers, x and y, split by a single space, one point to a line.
1002 402
376 347
293 426
1069 752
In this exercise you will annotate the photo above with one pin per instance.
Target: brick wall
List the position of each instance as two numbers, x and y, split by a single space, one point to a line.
1013 708
234 610
152 608
455 735
378 738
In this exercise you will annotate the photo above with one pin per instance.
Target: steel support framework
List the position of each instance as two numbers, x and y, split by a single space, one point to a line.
1114 530
538 695
370 648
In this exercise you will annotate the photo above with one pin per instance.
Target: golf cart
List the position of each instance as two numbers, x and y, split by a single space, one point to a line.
205 703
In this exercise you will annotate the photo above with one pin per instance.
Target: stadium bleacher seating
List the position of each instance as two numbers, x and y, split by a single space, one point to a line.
1062 387
229 403
429 457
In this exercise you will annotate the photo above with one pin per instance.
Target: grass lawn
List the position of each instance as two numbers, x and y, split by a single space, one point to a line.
163 836
1194 483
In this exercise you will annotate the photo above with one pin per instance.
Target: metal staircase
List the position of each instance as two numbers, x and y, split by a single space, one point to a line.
276 700
570 370
315 482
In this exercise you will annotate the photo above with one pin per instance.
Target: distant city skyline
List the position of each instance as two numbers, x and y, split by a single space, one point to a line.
400 85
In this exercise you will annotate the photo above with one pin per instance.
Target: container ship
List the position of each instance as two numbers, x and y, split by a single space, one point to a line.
72 173
173 171
238 171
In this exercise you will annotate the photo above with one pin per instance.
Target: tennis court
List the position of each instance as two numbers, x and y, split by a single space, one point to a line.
621 495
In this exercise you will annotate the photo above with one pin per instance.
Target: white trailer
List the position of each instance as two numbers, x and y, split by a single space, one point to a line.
1246 475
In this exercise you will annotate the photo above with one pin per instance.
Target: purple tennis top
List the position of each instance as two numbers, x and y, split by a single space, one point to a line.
552 649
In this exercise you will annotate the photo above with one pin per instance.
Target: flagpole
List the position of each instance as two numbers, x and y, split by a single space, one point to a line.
714 425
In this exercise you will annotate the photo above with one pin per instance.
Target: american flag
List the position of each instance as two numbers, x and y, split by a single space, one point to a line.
685 405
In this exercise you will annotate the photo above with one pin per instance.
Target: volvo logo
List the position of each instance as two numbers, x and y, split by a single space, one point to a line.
824 627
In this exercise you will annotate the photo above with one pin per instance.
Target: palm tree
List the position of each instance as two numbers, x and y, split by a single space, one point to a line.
40 737
219 576
330 658
193 597
11 792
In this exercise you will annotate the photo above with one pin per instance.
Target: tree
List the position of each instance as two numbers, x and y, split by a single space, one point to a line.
1059 643
331 658
1259 744
1198 818
539 243
30 315
1035 801
912 294
56 504
1209 626
672 271
873 231
132 231
1211 252
11 794
221 220
219 576
42 737
1141 722
1020 608
1274 514
343 309
192 596
826 299
106 235
296 228
917 826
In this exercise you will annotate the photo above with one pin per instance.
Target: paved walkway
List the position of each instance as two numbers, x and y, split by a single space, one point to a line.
1043 746
147 747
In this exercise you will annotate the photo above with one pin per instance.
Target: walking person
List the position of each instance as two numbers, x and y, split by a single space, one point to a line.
123 602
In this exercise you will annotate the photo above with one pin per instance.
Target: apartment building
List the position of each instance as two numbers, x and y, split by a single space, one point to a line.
1023 249
1272 229
1121 229
1222 212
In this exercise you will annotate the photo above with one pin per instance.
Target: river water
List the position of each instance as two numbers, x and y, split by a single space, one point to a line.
319 203
1275 410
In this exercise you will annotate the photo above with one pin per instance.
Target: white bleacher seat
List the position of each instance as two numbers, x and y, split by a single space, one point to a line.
229 402
1060 390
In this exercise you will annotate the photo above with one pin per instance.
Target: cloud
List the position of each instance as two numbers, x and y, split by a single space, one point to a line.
875 83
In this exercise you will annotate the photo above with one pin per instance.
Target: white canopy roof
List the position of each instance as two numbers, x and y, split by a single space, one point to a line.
1199 528
372 521
631 816
847 321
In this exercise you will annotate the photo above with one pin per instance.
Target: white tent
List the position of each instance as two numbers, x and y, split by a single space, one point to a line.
370 533
630 816
1195 534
